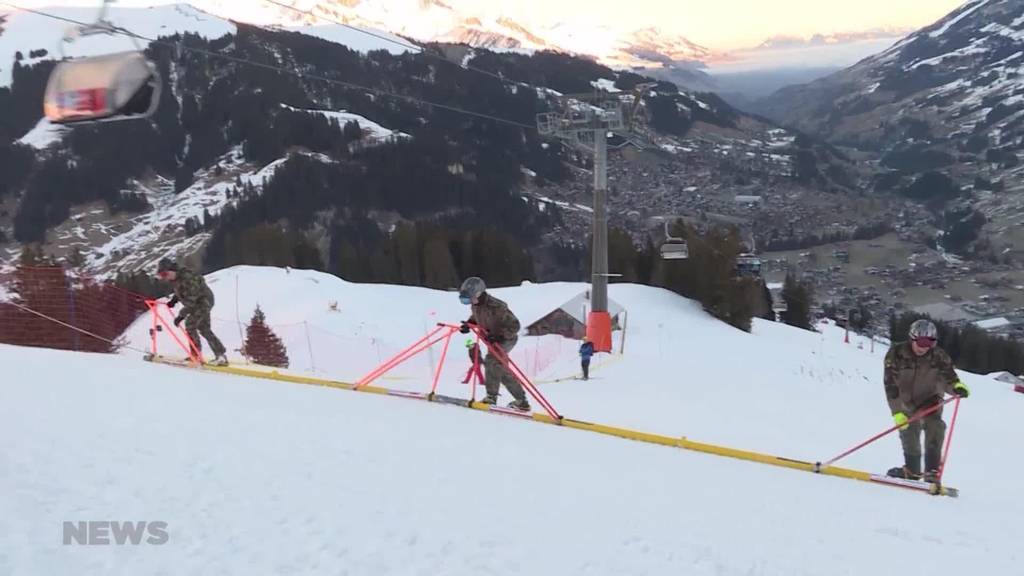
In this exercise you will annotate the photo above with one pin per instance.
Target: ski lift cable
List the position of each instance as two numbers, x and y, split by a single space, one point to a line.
406 45
292 72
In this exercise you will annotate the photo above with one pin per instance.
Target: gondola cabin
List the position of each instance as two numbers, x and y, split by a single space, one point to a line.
122 86
748 265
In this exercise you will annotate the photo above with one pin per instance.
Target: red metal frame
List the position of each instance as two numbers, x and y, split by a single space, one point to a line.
915 418
420 345
187 344
949 441
444 354
446 332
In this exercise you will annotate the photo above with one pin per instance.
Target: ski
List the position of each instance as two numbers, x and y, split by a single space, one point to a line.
404 394
918 485
442 399
508 411
183 362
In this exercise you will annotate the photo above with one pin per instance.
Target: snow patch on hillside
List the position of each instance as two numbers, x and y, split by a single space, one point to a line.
373 132
43 135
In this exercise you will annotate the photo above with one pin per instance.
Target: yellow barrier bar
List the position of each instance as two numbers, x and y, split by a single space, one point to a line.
274 375
626 433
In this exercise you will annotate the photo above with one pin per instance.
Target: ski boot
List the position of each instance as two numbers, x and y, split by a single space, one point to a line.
220 360
904 473
521 405
932 462
492 400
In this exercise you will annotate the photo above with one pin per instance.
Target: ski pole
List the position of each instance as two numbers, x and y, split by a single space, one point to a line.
818 467
949 441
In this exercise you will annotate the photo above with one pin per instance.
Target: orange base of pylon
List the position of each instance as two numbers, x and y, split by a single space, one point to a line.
599 331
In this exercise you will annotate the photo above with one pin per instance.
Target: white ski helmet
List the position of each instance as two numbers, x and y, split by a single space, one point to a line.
923 329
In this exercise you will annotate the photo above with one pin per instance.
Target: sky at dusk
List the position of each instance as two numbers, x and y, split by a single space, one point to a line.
730 24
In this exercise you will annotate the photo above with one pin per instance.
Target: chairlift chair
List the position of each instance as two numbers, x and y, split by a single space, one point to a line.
109 87
674 248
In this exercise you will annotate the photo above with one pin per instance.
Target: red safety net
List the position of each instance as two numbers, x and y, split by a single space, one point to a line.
52 307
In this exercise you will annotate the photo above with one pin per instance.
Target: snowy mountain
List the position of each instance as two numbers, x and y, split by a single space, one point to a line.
945 98
478 26
122 195
313 480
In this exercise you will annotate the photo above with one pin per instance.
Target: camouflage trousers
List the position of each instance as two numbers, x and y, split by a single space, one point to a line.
934 435
495 374
198 323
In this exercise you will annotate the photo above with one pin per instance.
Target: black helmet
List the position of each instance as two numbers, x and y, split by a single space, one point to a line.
471 289
165 265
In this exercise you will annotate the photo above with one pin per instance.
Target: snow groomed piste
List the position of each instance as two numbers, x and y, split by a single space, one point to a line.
444 332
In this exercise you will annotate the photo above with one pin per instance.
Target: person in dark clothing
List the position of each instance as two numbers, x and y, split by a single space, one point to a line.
501 329
197 302
586 353
917 375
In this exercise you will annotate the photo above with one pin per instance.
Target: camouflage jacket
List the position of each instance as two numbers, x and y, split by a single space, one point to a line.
914 382
495 318
193 293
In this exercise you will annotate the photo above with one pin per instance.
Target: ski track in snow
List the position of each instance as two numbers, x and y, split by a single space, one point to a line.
264 477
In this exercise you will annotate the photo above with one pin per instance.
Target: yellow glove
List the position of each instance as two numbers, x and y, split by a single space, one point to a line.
901 420
961 390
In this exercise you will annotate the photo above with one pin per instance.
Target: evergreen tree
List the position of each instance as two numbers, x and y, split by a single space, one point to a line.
438 266
622 256
262 345
797 296
408 254
768 312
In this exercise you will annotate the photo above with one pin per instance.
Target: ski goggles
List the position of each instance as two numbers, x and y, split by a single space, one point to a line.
925 341
465 299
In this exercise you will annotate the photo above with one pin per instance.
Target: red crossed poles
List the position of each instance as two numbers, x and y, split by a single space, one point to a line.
444 332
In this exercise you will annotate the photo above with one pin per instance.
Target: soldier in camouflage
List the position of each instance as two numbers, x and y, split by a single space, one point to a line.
501 329
197 301
917 376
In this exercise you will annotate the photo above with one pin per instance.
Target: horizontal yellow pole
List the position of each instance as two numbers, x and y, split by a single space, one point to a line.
627 433
279 377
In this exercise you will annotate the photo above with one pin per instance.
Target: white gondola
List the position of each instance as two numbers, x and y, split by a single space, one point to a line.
111 87
674 248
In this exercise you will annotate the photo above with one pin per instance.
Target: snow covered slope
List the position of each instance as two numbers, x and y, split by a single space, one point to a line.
683 372
263 477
